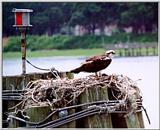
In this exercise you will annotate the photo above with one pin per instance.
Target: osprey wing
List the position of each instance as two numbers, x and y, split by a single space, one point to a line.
94 58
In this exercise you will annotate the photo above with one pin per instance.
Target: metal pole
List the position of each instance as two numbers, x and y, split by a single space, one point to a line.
23 50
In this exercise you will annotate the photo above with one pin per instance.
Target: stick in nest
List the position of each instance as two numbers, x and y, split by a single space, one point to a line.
69 89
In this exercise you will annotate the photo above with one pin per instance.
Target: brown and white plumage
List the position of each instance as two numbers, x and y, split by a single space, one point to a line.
95 63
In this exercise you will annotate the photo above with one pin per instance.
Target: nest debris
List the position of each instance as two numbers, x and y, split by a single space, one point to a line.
58 93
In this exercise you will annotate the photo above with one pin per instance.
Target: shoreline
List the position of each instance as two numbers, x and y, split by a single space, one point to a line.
70 53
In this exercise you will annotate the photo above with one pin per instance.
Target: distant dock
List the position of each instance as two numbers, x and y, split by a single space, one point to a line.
134 49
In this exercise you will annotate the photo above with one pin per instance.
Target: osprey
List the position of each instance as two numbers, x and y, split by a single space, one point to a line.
95 63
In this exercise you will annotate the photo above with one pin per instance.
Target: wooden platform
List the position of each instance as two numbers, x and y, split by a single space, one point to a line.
36 114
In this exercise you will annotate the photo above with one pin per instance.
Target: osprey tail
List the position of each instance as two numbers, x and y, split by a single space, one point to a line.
77 70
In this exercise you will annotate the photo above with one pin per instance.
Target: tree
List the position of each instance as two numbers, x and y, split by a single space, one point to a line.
139 16
50 17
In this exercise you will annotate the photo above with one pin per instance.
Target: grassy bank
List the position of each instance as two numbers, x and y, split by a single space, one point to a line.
62 42
48 53
74 52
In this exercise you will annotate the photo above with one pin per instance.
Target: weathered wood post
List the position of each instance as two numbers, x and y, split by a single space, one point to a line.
120 52
22 22
122 120
135 120
154 50
23 50
137 50
38 114
147 50
140 51
15 83
91 94
42 112
140 119
93 91
132 51
12 122
126 50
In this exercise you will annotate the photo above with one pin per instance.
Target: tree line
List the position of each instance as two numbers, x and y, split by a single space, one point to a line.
61 17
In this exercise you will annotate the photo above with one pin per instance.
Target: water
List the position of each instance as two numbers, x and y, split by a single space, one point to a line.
144 68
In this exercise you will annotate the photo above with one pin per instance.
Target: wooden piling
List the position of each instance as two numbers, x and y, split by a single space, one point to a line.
12 122
136 49
133 120
100 120
71 124
132 52
154 50
16 82
90 94
147 51
38 114
140 119
120 52
126 51
140 51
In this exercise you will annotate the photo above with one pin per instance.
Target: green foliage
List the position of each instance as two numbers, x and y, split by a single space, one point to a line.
14 44
74 42
47 53
50 17
139 16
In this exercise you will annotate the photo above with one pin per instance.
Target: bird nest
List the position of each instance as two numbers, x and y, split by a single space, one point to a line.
59 93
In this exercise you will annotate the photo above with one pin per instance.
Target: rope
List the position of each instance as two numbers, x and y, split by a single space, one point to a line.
146 114
52 70
13 91
36 66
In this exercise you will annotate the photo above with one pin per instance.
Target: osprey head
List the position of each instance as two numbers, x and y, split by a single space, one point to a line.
109 53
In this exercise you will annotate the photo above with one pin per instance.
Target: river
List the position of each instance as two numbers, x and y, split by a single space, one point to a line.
144 68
